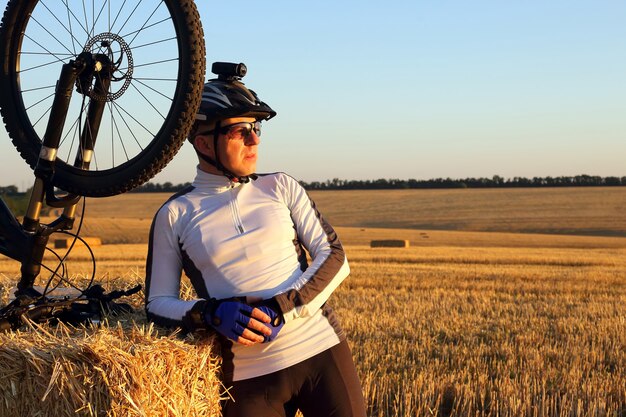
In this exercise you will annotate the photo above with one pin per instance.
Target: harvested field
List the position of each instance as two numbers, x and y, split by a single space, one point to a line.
586 211
489 331
464 323
596 211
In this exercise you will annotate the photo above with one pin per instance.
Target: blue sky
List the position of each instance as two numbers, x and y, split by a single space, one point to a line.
422 89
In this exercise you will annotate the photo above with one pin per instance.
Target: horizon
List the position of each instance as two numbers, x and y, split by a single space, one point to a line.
419 90
503 180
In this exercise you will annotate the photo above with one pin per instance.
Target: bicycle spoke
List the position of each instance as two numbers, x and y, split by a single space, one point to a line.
94 162
112 139
99 14
53 37
132 117
86 22
75 18
38 88
44 113
173 38
43 99
69 130
153 89
167 19
116 17
21 71
45 49
113 126
62 25
154 79
151 63
69 23
129 129
76 134
75 128
46 53
91 138
129 16
93 13
42 116
119 135
146 22
78 130
110 105
148 101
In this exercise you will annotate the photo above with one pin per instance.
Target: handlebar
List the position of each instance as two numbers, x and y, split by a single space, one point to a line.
91 306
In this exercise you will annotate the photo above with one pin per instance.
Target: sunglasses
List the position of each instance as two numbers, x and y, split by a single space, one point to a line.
238 131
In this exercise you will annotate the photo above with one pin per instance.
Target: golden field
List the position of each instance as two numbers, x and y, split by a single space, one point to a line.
467 322
593 211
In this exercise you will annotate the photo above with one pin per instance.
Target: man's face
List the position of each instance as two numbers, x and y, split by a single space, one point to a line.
237 146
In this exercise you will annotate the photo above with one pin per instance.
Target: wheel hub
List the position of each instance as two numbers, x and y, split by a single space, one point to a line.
121 58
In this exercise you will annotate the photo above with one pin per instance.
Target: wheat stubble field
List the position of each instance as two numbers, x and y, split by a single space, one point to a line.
507 302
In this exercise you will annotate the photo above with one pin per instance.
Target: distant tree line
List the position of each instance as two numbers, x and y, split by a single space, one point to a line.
494 182
9 190
166 187
13 197
388 184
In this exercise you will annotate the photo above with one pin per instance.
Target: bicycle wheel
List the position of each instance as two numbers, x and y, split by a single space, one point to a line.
157 47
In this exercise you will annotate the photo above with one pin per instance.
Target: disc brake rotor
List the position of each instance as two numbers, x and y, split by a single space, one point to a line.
121 58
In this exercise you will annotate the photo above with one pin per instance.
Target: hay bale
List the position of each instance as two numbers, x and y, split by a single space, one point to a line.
390 243
65 242
106 371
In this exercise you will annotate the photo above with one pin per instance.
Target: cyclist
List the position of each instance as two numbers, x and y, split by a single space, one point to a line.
241 238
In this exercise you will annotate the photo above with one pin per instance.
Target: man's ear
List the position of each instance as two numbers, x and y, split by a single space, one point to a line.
204 144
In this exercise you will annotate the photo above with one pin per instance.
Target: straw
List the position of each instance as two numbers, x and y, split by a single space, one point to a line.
126 369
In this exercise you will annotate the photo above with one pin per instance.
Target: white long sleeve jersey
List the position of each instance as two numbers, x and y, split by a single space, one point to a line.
236 240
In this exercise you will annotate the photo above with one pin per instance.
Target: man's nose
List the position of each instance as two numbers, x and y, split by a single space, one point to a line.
253 139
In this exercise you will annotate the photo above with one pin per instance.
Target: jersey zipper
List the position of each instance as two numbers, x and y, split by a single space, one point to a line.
234 210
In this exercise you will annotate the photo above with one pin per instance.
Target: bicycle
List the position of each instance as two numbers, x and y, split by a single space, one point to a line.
137 69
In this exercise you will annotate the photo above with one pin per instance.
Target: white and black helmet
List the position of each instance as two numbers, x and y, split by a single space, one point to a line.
223 98
226 96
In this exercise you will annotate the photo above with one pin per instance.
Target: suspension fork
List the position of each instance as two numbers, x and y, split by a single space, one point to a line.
83 69
103 70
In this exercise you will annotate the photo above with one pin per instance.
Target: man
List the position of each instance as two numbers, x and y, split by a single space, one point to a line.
241 239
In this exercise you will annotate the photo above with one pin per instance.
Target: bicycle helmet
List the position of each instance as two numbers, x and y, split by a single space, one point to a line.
226 97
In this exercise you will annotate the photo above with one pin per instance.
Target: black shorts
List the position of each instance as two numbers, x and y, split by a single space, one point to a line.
325 385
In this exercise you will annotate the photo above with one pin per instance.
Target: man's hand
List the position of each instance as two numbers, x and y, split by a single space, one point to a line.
238 321
271 308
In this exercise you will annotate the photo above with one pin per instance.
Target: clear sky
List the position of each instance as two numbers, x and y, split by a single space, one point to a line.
422 89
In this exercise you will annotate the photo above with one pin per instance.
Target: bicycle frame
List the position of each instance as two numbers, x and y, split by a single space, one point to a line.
14 242
27 242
